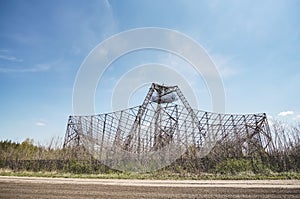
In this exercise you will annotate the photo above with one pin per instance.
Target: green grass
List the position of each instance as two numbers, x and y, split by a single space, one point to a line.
159 175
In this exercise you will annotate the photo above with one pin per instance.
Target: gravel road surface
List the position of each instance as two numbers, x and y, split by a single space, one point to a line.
32 187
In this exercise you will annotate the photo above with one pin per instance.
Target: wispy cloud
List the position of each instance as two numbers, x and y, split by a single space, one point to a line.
10 58
107 4
40 123
75 50
224 65
37 68
95 28
110 20
4 51
43 67
285 113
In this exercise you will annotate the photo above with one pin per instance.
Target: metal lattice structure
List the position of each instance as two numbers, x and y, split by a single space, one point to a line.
163 128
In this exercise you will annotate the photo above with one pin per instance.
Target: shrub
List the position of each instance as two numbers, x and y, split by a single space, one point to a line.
79 167
233 166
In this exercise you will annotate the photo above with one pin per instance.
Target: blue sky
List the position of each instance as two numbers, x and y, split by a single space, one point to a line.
255 45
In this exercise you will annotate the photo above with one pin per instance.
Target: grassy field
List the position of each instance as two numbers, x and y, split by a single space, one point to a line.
160 175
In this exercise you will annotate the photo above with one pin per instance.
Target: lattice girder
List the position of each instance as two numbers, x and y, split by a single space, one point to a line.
163 131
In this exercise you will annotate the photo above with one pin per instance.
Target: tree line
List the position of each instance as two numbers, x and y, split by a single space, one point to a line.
223 159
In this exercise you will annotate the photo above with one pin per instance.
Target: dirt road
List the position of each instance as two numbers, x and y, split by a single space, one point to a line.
28 187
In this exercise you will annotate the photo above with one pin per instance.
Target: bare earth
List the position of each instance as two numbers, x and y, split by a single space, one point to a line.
31 187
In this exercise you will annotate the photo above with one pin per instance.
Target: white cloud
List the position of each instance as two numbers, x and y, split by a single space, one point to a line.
10 58
285 113
37 68
40 123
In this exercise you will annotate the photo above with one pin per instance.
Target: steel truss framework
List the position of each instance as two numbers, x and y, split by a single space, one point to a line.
162 131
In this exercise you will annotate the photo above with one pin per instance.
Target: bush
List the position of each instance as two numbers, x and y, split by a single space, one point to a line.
79 167
233 166
258 167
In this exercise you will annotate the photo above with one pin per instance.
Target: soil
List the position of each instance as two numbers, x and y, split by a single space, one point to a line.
29 187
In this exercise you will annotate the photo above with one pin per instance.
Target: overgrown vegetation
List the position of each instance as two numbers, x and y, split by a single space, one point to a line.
282 162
